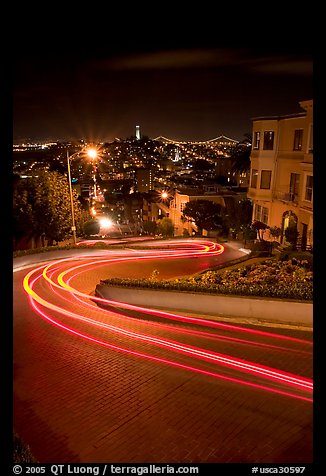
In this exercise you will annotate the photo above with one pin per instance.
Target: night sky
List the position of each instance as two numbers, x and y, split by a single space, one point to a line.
183 92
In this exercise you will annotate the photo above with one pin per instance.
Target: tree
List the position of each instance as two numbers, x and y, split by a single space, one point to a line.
292 234
165 227
239 213
275 232
150 227
91 227
259 227
84 204
240 156
52 209
205 213
22 209
42 207
248 233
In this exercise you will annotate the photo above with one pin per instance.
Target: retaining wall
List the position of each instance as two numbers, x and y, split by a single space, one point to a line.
224 306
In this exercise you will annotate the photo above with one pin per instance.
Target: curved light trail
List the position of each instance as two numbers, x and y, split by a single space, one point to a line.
187 346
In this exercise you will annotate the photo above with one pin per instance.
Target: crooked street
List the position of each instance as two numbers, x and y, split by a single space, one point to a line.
104 385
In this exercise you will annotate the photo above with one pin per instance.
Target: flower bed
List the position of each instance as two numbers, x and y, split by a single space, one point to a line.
292 279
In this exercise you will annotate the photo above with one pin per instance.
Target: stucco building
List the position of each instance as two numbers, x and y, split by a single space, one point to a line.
184 196
281 175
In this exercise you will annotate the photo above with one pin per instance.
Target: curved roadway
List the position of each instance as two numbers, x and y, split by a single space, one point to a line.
97 385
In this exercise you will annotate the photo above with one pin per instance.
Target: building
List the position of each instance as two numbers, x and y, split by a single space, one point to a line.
155 207
281 175
217 151
183 196
144 179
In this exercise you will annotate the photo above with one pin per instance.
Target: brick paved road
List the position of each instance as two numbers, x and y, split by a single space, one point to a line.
75 401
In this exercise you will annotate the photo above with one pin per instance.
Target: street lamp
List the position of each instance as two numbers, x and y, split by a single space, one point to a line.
73 228
92 153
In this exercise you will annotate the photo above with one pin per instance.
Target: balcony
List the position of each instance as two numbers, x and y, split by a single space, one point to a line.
259 194
289 197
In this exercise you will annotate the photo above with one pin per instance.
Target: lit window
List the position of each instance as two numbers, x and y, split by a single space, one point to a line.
261 214
309 188
268 140
257 212
256 142
265 179
264 215
254 177
294 186
298 136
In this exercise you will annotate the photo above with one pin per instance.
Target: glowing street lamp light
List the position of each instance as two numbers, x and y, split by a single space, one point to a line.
164 195
92 153
105 223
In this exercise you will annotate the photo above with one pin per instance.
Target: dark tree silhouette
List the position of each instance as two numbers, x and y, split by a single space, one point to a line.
205 213
165 226
91 227
42 207
259 227
240 155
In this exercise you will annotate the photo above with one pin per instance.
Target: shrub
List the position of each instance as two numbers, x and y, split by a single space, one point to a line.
271 278
261 246
91 227
291 234
305 258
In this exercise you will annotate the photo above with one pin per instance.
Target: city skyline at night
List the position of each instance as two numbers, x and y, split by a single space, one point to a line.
184 93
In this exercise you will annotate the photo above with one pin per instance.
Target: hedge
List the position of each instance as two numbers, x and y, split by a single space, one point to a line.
271 278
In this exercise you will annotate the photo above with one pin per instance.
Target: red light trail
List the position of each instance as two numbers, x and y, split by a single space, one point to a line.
87 320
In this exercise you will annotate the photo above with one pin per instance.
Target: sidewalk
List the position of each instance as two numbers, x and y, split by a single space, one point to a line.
238 245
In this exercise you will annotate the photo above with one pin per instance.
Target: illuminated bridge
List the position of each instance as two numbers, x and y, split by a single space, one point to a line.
218 141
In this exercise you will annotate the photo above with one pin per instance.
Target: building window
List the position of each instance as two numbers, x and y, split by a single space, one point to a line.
294 187
254 177
261 214
311 138
265 179
298 136
256 143
268 140
182 206
257 214
264 215
309 184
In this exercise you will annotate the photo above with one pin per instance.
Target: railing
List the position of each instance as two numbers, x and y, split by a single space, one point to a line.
286 196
